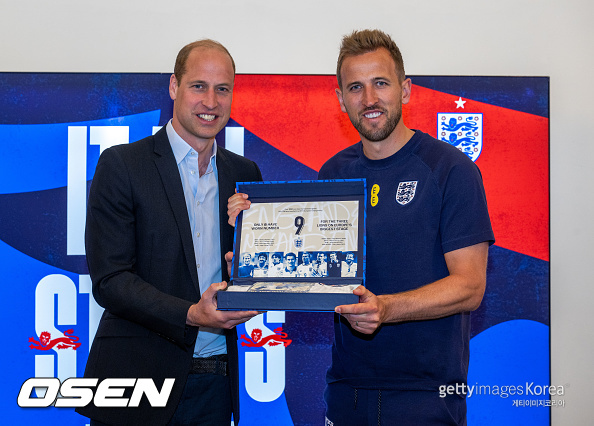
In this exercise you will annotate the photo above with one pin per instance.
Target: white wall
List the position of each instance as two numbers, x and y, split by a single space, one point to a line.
520 37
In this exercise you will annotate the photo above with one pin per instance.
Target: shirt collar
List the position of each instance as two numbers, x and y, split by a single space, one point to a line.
181 148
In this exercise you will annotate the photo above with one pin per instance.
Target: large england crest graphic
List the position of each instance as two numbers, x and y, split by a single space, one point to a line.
462 130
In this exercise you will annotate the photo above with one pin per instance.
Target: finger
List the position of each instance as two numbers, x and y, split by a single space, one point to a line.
237 195
348 309
365 330
233 212
229 260
247 314
232 318
236 207
365 295
232 218
237 198
359 291
358 324
214 287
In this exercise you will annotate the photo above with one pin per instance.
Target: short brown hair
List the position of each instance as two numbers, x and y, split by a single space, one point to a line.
182 57
365 41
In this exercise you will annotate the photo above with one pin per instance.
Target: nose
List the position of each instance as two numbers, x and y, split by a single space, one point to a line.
210 99
369 96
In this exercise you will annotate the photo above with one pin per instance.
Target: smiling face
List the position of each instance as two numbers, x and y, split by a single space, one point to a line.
202 99
372 95
305 258
247 259
291 260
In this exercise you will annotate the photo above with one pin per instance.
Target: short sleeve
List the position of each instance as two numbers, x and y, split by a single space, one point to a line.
464 217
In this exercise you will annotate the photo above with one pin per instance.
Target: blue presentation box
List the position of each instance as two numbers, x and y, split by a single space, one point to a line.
300 246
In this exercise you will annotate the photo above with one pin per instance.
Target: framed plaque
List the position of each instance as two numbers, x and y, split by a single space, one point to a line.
300 246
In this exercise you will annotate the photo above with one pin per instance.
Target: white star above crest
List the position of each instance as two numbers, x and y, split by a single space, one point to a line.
460 103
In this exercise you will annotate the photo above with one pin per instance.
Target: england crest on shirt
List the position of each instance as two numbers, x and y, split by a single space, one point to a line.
462 130
406 192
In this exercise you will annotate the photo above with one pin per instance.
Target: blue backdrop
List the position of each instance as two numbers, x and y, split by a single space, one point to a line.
54 126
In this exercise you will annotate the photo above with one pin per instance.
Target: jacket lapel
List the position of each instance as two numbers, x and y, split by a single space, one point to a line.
226 189
167 166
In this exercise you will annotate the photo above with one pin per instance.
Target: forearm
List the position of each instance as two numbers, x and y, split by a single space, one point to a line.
461 291
133 277
129 297
448 296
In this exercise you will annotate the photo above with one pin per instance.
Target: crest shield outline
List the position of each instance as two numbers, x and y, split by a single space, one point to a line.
462 130
406 192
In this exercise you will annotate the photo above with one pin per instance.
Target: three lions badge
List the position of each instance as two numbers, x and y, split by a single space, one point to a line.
406 192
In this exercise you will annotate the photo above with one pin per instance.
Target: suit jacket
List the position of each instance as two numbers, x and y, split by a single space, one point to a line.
142 265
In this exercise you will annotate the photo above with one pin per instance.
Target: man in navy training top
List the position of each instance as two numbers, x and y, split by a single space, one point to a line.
428 233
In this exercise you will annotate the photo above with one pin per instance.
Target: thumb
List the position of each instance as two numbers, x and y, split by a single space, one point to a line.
220 286
214 287
359 291
364 294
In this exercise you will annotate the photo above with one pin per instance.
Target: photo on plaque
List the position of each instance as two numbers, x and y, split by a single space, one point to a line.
300 246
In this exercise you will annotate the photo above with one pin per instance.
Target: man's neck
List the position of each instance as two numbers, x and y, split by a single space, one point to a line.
202 146
204 158
389 146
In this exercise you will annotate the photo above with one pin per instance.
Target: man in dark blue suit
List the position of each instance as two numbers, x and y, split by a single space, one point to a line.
156 239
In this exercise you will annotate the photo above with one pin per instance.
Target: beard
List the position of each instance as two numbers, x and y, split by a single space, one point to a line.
377 134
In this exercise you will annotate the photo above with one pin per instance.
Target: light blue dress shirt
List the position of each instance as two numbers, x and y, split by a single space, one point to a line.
202 201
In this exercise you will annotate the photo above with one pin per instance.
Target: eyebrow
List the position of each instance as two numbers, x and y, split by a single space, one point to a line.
197 82
191 83
374 79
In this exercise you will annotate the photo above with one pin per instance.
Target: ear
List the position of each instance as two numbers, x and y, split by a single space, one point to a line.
173 87
340 100
406 89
